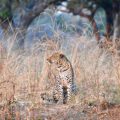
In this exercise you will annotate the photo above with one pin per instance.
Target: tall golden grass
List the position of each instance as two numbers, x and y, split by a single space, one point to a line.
25 75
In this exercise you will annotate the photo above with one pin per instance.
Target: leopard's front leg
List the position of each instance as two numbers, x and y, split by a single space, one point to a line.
58 93
69 93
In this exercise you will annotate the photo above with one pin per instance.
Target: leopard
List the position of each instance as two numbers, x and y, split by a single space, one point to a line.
64 78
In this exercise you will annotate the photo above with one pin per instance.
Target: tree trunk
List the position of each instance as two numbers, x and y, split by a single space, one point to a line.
39 6
37 9
117 27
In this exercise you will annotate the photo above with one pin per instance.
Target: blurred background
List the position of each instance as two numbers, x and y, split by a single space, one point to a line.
86 31
35 19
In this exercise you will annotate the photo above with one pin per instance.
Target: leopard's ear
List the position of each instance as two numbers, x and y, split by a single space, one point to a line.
61 55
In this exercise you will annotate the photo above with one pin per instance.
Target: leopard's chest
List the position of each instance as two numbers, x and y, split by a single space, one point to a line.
64 75
65 78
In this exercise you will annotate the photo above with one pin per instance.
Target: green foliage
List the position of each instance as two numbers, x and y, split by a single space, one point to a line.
4 9
74 4
3 1
5 6
4 14
79 4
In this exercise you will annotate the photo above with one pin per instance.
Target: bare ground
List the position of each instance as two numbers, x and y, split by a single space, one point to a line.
25 111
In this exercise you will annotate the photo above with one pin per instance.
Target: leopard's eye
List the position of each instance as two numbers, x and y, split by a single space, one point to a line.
49 60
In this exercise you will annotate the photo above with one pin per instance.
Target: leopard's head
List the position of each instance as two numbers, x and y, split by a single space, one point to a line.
56 58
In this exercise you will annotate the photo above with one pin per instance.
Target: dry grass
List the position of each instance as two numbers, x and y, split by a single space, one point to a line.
25 75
